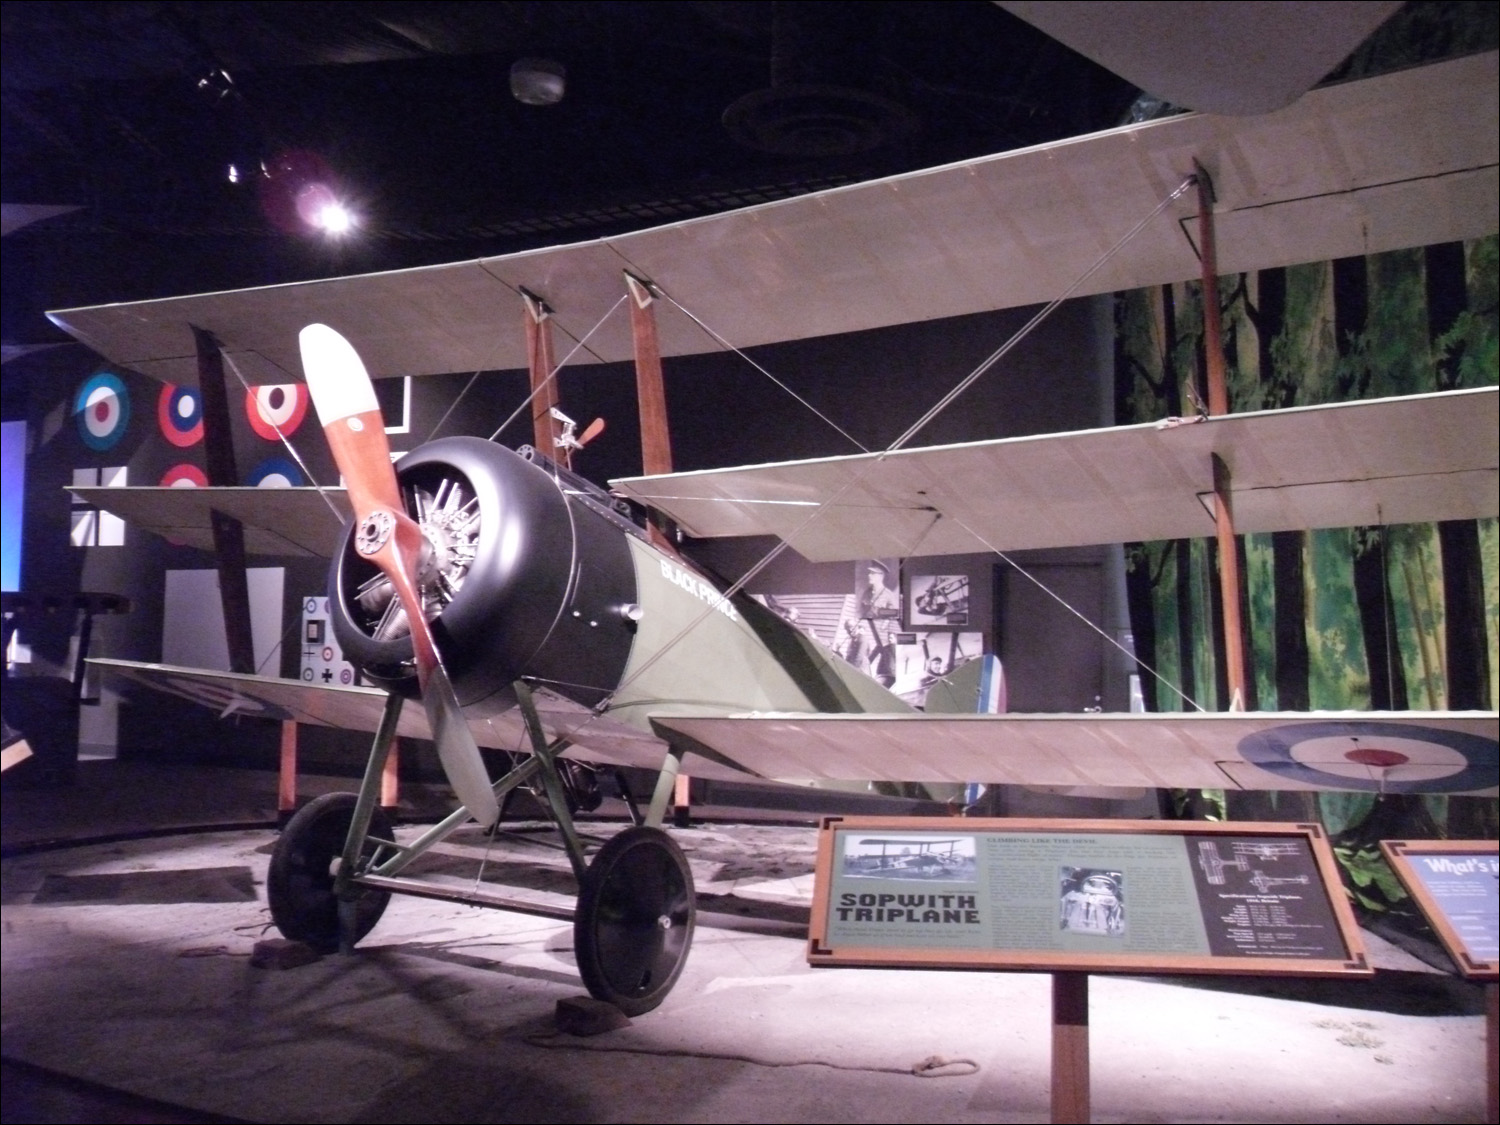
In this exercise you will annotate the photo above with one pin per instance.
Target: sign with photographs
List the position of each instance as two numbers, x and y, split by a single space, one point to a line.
1108 895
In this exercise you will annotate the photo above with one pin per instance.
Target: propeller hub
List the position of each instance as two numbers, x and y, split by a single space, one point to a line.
373 532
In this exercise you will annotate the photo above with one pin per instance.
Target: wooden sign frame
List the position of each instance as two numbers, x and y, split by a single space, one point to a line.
1406 857
1126 896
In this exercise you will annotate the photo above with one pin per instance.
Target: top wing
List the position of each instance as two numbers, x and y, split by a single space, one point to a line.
1399 460
1405 159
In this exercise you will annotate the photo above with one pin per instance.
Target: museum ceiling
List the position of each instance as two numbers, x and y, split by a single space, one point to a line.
131 115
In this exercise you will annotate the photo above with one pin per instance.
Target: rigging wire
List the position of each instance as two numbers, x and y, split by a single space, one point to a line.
1060 600
722 342
560 365
322 490
861 471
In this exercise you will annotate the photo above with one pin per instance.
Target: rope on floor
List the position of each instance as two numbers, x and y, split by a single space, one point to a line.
933 1066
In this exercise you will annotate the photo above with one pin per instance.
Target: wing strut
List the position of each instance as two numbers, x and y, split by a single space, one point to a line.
1218 403
656 454
546 429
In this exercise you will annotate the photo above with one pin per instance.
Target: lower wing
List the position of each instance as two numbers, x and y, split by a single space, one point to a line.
1391 752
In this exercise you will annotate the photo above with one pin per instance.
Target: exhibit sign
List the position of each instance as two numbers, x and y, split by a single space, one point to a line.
1076 895
1456 884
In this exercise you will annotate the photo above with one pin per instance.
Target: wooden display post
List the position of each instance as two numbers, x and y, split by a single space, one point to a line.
1074 897
1454 884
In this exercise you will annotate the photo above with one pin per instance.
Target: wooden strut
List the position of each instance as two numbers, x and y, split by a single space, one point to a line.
656 446
546 429
656 440
1235 662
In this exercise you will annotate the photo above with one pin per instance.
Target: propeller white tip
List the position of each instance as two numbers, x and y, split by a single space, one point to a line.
336 376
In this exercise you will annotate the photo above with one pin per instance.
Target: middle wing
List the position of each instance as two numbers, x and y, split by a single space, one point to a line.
1399 460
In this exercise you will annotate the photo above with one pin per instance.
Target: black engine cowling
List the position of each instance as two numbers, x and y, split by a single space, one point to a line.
524 580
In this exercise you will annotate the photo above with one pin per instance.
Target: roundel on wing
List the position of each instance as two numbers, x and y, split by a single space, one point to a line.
184 476
102 408
1376 756
276 411
275 472
179 415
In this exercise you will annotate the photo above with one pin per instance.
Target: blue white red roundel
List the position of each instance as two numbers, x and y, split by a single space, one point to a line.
184 476
179 415
103 411
1376 756
276 408
275 472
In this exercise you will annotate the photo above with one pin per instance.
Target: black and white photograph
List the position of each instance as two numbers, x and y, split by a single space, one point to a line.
1092 901
951 859
938 599
867 631
922 658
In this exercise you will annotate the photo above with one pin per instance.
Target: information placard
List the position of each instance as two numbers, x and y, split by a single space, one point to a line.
1456 883
1099 895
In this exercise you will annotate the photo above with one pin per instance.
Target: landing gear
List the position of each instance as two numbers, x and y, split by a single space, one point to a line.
634 922
301 882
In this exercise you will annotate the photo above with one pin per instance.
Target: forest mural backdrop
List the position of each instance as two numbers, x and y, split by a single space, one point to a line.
1391 617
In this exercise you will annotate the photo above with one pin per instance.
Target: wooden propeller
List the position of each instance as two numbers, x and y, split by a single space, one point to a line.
385 535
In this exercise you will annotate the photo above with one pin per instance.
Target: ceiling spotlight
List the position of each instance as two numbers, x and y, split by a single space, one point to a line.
335 218
538 81
320 209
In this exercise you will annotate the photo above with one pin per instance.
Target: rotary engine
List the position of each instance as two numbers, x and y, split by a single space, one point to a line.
519 576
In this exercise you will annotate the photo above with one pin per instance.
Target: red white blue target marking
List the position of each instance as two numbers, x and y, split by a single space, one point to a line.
276 408
184 476
103 411
1376 756
179 414
275 472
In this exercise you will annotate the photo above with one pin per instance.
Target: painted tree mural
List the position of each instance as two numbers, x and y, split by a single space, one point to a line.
1384 617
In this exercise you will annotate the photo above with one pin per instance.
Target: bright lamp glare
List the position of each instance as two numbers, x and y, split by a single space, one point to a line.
335 218
319 209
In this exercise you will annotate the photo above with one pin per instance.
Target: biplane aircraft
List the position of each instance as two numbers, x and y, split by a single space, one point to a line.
519 603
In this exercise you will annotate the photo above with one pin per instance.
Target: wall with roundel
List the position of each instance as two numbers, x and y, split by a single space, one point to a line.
179 415
102 411
276 411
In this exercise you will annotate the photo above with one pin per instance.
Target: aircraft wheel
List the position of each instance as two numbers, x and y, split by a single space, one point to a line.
635 918
300 884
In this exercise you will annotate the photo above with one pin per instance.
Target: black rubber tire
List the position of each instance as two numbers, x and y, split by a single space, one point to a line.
300 884
635 917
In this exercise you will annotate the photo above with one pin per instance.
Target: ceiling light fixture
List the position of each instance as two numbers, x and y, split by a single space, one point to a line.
538 81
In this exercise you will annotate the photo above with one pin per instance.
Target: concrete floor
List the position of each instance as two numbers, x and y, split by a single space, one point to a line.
127 976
